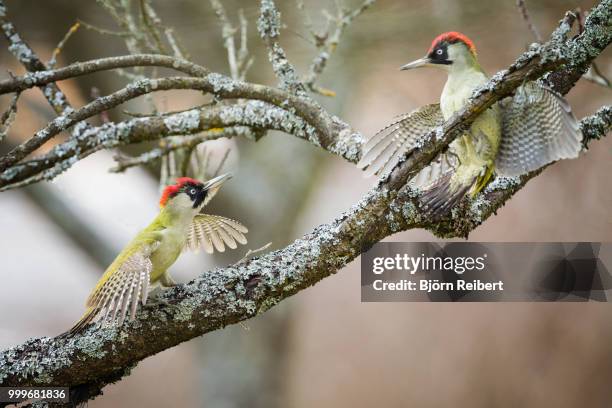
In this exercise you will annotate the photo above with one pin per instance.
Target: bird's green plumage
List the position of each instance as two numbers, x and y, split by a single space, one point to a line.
533 128
166 234
477 149
145 260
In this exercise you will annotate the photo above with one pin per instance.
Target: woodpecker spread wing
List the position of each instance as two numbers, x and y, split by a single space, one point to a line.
538 128
124 284
383 150
214 232
438 170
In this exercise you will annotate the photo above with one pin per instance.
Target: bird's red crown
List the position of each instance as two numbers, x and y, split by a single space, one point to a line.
453 37
172 190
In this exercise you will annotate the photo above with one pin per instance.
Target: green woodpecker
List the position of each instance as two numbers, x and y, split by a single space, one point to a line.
144 262
518 135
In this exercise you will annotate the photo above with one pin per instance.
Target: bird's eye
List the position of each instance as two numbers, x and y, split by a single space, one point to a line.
439 52
192 191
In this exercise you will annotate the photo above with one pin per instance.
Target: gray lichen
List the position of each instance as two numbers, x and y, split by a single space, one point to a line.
268 24
183 122
220 82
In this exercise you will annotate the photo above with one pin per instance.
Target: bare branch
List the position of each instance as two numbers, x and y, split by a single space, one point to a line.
7 118
594 75
28 58
152 24
185 142
73 29
216 84
41 78
525 14
177 49
228 32
327 43
104 31
253 114
244 61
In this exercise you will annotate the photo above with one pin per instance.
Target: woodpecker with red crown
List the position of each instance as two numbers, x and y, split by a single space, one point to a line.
515 136
144 262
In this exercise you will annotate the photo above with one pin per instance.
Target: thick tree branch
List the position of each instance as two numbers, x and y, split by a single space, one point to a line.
253 114
219 85
89 360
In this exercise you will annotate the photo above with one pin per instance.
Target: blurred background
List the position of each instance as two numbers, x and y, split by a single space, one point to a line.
323 347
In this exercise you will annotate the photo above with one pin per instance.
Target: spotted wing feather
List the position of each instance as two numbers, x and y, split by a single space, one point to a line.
125 286
538 128
385 149
212 232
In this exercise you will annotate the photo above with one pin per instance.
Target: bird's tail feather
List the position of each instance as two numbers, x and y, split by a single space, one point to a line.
441 197
88 317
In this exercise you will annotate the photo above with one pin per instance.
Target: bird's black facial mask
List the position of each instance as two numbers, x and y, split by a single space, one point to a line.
439 55
196 193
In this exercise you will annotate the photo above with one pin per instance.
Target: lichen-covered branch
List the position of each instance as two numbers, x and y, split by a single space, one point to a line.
253 114
219 85
596 126
88 361
269 26
41 78
28 58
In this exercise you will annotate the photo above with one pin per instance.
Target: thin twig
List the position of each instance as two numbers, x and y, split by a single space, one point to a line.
8 117
327 41
222 162
177 48
244 60
103 31
525 14
28 58
227 32
254 251
62 43
151 23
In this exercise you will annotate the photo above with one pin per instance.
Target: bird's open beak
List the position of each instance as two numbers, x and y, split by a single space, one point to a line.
210 189
215 183
416 64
